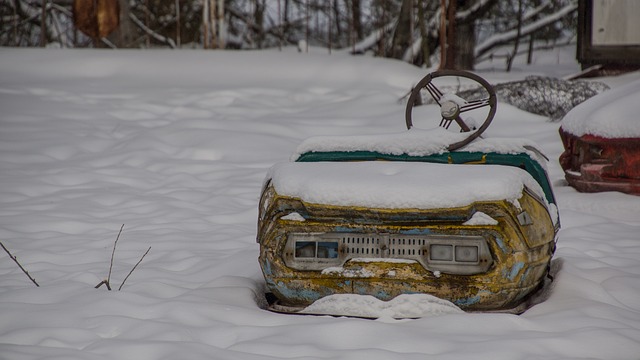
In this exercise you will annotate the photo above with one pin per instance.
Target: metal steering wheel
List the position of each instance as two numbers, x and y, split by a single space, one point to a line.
451 105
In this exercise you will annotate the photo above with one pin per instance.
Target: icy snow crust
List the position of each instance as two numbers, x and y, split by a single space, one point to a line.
176 144
398 185
612 114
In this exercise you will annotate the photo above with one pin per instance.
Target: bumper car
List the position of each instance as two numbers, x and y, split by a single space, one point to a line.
601 138
438 211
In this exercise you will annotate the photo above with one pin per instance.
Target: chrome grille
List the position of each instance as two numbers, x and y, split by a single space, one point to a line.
373 246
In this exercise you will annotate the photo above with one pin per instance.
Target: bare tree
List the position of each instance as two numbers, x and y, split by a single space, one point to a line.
403 29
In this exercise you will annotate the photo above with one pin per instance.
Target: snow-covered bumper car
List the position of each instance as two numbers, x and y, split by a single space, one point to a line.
449 214
601 138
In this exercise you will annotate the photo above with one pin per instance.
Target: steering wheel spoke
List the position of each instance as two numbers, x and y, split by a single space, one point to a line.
475 104
451 106
435 93
445 123
463 126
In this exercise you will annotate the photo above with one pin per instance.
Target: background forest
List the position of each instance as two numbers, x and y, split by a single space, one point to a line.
421 32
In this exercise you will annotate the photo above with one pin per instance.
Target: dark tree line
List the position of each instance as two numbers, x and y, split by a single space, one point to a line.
455 33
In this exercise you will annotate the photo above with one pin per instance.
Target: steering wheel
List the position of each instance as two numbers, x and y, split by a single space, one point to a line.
452 105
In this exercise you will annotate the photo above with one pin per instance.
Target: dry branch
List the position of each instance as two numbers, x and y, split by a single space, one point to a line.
15 259
113 254
134 267
104 282
107 281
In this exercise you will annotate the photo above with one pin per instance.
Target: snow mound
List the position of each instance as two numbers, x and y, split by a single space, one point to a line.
401 307
399 185
612 114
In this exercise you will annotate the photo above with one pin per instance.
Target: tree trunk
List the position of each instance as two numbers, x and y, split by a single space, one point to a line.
402 34
43 24
356 13
336 19
178 24
125 35
465 46
285 20
517 42
424 47
258 16
450 43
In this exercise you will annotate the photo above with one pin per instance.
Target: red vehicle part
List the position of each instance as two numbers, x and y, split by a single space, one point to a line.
593 163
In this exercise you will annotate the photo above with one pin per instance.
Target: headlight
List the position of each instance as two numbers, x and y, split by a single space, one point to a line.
316 249
305 249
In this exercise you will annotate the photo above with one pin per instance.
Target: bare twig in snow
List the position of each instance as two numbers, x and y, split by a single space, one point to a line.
113 254
134 267
104 282
20 266
107 281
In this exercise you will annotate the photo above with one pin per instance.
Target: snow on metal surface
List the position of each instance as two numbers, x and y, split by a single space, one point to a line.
395 185
612 114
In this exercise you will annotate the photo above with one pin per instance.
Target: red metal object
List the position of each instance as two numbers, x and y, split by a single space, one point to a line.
97 18
593 163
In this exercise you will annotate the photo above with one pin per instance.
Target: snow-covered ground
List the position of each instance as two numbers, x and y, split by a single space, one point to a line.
175 146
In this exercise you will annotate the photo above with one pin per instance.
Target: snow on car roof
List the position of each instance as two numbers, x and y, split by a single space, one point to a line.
417 142
397 185
611 114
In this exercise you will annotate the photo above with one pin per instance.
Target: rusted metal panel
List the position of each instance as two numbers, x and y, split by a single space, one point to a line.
96 18
593 163
520 253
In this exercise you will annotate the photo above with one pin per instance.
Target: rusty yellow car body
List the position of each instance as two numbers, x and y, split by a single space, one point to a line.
388 252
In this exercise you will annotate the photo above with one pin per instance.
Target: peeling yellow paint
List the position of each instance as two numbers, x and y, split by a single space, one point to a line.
520 253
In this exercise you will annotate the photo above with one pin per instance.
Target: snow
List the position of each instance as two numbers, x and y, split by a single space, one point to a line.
480 218
416 142
176 144
403 306
399 185
294 216
612 114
